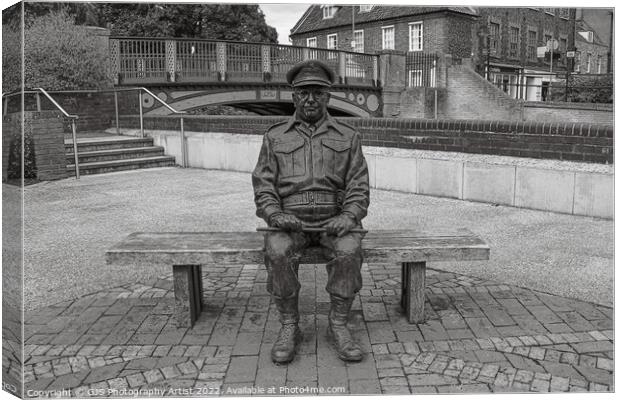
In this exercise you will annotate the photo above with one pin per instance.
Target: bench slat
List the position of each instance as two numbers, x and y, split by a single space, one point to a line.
196 248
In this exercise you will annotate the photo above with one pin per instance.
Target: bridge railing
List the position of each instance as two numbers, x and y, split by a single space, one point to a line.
136 61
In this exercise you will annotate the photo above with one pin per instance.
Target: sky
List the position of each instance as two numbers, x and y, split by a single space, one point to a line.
283 17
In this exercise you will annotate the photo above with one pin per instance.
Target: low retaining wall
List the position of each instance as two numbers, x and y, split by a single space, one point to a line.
568 112
572 188
560 141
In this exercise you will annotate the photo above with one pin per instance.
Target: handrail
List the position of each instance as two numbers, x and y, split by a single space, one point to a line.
50 98
73 130
140 90
162 102
73 117
190 39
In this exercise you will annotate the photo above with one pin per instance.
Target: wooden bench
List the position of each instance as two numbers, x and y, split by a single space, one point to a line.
187 252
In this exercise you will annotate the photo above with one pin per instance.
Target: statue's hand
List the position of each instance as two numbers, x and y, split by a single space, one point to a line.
285 222
340 225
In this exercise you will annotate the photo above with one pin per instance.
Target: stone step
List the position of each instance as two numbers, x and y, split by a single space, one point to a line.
95 144
122 165
115 154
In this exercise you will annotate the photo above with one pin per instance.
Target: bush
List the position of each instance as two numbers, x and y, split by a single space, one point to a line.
11 59
15 164
61 55
585 88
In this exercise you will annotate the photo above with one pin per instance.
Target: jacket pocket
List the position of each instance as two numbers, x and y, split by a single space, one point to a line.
291 158
336 157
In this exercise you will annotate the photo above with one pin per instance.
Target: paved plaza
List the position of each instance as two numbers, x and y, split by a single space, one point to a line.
491 327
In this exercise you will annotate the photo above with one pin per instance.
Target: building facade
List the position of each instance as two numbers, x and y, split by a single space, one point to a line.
523 50
592 53
375 28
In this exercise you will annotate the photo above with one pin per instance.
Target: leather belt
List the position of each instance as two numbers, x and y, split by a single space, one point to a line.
302 198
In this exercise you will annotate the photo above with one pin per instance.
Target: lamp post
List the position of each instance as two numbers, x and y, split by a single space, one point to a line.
489 58
485 41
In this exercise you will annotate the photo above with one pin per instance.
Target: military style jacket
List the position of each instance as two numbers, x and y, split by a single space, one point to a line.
296 160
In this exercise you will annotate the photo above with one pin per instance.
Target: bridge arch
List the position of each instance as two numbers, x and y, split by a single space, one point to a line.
360 103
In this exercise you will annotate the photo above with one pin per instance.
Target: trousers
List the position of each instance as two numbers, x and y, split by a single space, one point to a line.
282 254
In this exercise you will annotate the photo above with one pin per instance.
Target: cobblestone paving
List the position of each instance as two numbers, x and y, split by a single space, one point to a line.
480 336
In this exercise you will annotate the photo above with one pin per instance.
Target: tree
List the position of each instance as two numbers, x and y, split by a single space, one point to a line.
58 54
11 58
209 21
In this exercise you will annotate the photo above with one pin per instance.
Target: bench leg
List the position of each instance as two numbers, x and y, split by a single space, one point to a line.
413 286
187 294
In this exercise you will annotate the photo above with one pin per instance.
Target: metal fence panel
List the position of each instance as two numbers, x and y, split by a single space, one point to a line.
142 60
196 61
421 69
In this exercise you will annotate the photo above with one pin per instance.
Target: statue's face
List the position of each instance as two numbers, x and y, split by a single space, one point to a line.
311 102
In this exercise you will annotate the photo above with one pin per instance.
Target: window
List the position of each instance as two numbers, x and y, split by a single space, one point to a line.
328 12
563 48
311 42
563 13
366 7
388 37
563 45
332 44
577 62
494 37
531 45
417 77
514 42
358 38
598 64
587 35
588 62
332 41
415 36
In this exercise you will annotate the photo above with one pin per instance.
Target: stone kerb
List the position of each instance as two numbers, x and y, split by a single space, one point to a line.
472 178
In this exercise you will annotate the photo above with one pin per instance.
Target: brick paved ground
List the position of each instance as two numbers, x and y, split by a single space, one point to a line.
480 336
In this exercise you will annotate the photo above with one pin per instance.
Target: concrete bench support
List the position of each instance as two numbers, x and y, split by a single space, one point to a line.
413 276
189 252
187 293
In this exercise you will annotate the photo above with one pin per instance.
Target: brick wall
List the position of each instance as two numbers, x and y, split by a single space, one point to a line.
11 132
524 18
44 140
94 109
562 141
442 33
568 112
419 102
471 96
596 51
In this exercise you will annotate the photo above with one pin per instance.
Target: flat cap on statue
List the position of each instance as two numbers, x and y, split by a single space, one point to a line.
311 72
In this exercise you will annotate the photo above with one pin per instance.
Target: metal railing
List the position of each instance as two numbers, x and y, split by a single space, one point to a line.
161 60
140 102
421 69
72 117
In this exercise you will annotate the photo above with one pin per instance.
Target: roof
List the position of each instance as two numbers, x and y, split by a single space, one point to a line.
312 19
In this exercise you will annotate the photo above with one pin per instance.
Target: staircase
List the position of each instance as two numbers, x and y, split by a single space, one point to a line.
470 96
99 153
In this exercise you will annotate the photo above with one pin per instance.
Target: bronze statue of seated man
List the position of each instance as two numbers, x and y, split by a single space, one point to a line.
311 173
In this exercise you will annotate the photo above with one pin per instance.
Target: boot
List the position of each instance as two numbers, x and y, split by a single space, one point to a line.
289 337
346 347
